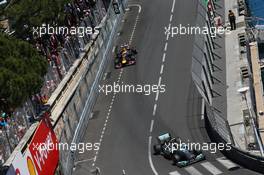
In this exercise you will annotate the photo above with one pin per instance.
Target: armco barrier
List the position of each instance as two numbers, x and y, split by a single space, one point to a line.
245 159
74 118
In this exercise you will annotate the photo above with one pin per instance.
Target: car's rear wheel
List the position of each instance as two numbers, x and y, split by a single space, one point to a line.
157 149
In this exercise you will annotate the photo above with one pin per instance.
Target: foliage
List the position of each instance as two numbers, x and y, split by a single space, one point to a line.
21 71
26 14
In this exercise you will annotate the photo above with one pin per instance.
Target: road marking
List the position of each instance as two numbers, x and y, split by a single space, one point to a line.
191 170
172 8
151 126
161 69
166 45
135 25
157 96
227 163
210 167
150 158
171 16
154 109
174 173
136 5
159 81
164 57
167 37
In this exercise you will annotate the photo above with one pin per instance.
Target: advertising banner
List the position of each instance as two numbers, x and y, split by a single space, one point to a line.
41 156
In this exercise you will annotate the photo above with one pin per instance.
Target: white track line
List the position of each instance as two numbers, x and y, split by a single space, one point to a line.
163 57
157 96
135 25
154 109
161 69
211 168
166 46
151 126
174 173
159 81
171 16
173 5
150 158
193 171
227 163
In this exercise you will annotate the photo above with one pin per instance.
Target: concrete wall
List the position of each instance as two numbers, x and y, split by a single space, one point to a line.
203 76
203 70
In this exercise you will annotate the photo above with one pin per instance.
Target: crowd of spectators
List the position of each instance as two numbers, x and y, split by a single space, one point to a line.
60 51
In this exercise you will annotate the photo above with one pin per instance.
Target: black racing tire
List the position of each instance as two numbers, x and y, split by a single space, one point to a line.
176 158
157 149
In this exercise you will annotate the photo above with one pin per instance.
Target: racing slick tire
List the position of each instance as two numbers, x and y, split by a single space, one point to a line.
176 158
157 149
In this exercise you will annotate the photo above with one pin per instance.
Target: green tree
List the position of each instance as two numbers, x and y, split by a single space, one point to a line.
22 70
26 14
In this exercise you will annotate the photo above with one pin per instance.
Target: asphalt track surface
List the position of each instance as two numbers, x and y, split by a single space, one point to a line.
126 124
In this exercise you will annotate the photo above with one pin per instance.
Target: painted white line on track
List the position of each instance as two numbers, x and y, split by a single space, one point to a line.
166 46
167 37
174 173
171 16
173 5
135 25
154 109
151 126
193 171
136 5
157 96
163 57
227 163
210 167
150 158
161 69
159 81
